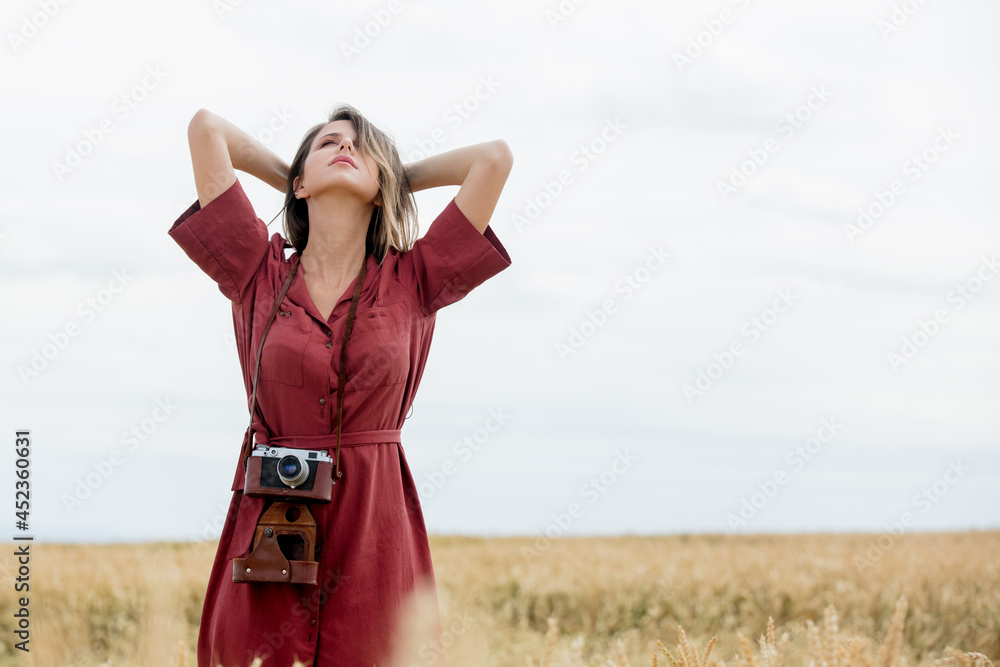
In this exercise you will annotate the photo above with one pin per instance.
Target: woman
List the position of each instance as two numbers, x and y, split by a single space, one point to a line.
349 215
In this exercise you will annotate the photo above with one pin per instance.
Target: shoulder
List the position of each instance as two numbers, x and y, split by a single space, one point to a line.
280 248
279 256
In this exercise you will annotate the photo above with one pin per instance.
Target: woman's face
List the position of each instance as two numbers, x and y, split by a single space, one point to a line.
334 163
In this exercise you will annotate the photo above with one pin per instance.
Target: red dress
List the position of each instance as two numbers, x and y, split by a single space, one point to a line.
371 539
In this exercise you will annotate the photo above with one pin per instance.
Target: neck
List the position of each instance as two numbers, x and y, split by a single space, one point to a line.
337 230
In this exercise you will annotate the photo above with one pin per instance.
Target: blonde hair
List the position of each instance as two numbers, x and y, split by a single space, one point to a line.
394 223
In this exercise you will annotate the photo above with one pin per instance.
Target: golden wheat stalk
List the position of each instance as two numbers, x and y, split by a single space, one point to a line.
622 655
708 650
690 655
830 635
964 658
576 651
747 650
550 641
889 653
671 658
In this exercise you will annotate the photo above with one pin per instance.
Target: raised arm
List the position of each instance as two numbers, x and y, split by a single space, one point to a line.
481 170
218 148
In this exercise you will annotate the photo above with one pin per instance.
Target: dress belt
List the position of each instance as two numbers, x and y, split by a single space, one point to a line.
329 440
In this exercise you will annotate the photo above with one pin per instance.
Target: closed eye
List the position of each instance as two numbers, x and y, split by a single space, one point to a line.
334 141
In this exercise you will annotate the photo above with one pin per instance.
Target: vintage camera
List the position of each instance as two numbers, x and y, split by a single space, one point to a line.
283 548
302 475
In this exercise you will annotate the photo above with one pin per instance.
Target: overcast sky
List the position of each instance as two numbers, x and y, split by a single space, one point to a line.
754 257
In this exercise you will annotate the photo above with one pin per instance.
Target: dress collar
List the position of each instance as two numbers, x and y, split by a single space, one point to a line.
299 293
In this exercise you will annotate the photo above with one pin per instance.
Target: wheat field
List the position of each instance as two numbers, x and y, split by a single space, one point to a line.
815 600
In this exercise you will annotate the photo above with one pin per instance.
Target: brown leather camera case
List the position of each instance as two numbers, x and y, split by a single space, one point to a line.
266 562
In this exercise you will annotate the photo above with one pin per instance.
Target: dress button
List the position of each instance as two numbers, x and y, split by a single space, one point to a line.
322 401
329 344
312 622
329 332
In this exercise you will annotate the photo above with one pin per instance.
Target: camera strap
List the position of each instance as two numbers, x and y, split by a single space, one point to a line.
342 374
248 438
341 380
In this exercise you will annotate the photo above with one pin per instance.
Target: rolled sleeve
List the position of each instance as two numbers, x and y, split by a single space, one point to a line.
226 239
450 260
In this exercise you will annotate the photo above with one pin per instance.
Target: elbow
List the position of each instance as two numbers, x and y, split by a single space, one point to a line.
501 155
201 120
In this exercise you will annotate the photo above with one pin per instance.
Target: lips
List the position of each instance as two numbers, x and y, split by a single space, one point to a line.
343 158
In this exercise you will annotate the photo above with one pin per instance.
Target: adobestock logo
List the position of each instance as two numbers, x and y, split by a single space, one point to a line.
32 25
796 458
787 126
59 341
584 155
713 29
106 467
753 329
121 108
883 200
454 116
899 17
924 500
928 329
381 18
627 285
592 489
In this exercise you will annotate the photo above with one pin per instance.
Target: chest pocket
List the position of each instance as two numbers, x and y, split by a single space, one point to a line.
379 351
283 357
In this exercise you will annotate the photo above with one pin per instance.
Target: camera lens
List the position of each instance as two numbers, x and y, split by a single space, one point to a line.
292 470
